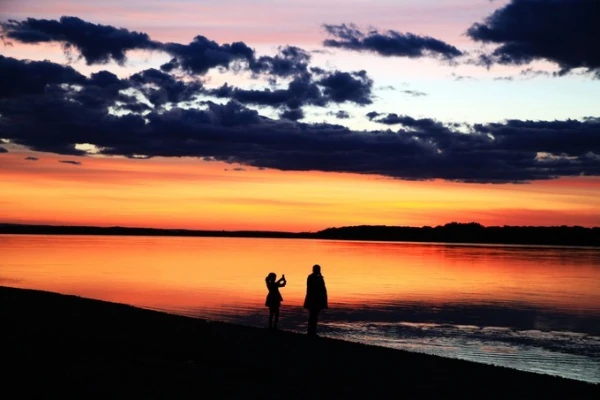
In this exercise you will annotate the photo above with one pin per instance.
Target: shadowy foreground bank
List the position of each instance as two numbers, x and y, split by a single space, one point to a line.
69 347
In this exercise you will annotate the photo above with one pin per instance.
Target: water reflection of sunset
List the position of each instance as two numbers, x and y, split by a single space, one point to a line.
211 273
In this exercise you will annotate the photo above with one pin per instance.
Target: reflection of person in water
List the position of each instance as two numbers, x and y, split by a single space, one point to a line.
316 298
274 298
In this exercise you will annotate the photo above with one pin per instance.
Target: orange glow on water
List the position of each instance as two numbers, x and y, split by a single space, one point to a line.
446 300
188 274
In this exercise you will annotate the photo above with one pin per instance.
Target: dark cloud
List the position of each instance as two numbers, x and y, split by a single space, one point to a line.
300 91
340 114
30 77
30 158
334 87
61 111
293 115
99 44
389 43
202 54
70 162
3 150
371 115
161 88
130 104
565 32
96 43
101 90
56 118
389 119
423 128
348 86
410 122
317 71
103 43
290 61
570 138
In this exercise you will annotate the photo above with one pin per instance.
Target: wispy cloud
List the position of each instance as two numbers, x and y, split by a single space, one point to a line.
70 162
389 43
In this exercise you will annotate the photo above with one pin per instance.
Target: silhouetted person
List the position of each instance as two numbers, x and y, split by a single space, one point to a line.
274 298
316 298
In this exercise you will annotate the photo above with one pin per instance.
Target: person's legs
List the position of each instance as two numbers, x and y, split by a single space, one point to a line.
276 313
271 314
313 316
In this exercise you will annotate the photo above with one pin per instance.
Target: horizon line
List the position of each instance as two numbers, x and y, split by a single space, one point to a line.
4 224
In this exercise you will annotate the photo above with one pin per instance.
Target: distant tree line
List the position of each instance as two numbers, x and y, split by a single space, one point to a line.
125 231
470 233
453 232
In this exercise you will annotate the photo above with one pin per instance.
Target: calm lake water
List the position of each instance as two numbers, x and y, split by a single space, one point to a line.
530 308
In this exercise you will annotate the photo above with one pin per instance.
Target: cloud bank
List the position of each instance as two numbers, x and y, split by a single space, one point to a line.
97 44
564 32
61 116
100 44
156 112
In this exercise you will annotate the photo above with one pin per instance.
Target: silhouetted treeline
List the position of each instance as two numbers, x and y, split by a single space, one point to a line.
124 231
470 233
450 233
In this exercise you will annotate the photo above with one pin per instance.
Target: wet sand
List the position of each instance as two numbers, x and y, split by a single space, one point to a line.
70 347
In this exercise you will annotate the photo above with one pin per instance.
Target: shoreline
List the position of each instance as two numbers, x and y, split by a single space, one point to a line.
68 346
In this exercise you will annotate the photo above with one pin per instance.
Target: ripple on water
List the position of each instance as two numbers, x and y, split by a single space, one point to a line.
567 354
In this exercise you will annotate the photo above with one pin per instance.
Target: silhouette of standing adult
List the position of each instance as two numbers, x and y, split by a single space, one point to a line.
316 298
274 298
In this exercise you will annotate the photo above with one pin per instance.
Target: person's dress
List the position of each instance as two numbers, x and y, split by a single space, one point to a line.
274 298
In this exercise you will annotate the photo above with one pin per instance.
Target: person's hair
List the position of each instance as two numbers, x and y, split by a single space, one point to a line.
271 277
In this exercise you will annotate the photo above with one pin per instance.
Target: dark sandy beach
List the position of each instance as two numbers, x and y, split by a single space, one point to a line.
57 346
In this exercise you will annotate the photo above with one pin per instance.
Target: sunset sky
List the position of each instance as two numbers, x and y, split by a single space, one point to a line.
299 115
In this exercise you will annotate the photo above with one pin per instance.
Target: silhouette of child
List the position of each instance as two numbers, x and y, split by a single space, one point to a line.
274 298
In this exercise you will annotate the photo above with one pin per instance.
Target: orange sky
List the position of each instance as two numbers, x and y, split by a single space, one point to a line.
194 194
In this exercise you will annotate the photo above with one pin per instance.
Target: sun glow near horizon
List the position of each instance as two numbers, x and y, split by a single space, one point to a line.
408 88
194 194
